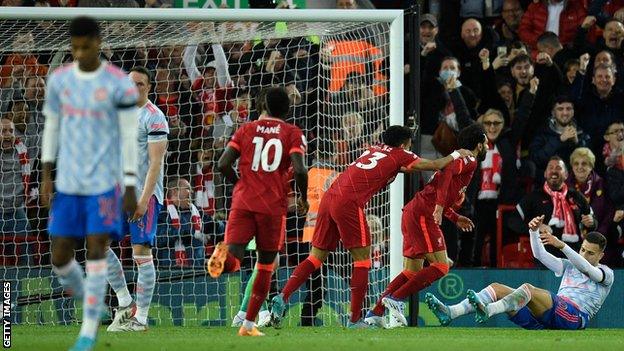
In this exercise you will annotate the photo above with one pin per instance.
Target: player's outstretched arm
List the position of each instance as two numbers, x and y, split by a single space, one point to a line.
226 161
424 164
594 273
551 262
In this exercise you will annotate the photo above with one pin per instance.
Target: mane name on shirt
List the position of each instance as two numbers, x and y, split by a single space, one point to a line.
268 130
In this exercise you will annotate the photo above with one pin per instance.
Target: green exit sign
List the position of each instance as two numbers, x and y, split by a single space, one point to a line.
233 4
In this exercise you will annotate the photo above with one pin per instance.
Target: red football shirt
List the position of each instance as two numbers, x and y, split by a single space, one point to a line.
371 172
446 188
265 146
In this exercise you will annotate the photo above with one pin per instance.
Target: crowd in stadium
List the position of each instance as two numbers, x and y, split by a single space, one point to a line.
545 78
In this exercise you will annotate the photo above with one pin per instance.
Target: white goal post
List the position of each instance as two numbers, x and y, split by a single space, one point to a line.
300 23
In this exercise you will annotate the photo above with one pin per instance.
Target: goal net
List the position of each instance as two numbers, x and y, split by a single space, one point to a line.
206 75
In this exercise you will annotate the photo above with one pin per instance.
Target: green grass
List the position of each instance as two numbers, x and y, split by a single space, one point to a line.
325 338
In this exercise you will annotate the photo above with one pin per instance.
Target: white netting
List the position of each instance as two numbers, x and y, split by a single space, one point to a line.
337 76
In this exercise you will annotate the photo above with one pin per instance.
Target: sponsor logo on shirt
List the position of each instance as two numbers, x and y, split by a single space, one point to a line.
100 94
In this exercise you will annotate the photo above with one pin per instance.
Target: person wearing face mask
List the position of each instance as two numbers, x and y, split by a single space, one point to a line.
560 137
448 101
497 175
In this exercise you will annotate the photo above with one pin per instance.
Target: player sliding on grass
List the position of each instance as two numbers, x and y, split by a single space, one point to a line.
584 287
420 225
341 214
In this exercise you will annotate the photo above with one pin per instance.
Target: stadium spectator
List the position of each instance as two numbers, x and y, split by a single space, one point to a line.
522 71
560 137
570 69
14 178
497 175
158 3
598 105
481 9
432 52
565 209
611 39
209 186
507 29
614 160
586 181
107 3
474 38
346 4
449 102
550 44
558 16
613 147
64 3
211 86
18 66
185 229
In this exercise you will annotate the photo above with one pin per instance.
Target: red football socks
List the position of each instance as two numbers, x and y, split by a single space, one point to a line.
260 290
359 286
421 280
300 275
395 284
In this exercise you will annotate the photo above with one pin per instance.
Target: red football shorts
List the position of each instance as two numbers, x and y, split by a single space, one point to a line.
340 219
269 230
421 235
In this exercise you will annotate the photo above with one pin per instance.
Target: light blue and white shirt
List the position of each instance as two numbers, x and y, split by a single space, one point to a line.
586 293
153 127
87 105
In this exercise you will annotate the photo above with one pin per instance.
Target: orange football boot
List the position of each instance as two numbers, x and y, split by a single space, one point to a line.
253 332
215 264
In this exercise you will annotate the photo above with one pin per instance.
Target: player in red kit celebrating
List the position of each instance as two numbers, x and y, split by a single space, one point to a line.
420 224
341 214
266 148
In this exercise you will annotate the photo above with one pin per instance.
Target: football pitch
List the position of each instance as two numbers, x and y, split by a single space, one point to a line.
324 338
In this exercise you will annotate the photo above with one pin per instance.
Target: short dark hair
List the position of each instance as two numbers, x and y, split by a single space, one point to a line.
277 102
560 99
520 59
558 159
550 39
259 100
571 62
144 71
597 238
451 58
396 135
517 45
84 26
471 136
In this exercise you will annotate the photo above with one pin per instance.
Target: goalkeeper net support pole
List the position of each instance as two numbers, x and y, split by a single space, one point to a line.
344 72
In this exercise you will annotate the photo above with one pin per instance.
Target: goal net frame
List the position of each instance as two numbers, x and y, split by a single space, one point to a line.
392 18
